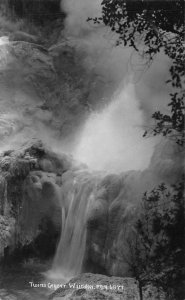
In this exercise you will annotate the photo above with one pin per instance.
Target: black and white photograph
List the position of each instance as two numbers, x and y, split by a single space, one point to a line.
92 134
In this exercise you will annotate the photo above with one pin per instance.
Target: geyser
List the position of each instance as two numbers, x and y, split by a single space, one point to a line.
112 139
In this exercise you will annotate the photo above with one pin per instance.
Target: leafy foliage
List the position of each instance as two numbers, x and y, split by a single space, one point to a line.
158 249
150 27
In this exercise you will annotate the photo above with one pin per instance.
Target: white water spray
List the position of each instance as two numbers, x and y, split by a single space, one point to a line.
112 139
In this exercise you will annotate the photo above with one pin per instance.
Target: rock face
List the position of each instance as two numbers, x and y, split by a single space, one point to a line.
99 287
30 198
39 98
25 72
6 232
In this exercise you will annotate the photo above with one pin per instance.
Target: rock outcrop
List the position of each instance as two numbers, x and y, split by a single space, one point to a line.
99 287
39 98
30 198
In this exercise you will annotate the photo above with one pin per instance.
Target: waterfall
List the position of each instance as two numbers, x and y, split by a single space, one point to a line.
77 196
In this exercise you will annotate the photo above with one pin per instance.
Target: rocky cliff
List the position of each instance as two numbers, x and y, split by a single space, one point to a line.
30 208
38 97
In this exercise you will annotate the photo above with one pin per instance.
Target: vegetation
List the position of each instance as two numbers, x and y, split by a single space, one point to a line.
158 247
151 27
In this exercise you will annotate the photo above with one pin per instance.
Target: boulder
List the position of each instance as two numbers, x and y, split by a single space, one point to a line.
89 286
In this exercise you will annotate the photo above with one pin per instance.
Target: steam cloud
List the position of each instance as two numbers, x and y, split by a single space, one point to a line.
112 138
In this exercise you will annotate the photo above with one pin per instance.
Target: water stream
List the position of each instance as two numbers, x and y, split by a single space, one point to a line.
77 196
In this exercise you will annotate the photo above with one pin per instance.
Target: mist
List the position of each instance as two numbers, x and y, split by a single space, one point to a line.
108 136
111 137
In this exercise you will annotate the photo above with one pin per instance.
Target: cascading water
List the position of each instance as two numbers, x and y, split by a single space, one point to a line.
77 196
111 141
